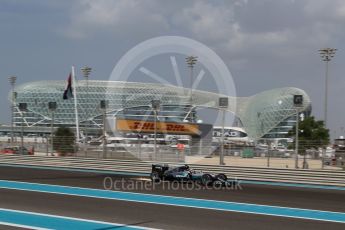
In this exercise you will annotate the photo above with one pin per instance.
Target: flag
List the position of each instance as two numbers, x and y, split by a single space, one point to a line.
68 93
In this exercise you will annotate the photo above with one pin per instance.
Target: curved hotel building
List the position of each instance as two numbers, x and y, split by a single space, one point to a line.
269 114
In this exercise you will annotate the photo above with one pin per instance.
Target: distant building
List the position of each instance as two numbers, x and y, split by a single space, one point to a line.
269 114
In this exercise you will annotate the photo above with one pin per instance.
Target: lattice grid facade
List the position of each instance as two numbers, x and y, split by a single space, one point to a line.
259 114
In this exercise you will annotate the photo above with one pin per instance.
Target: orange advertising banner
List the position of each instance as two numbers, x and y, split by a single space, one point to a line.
162 127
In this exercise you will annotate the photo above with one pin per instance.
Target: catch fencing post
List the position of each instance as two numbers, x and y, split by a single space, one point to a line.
223 104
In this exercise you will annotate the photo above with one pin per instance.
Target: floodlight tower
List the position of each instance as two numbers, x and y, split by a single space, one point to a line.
326 55
191 61
86 72
12 80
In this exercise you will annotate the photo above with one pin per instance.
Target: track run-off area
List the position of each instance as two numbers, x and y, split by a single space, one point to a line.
38 198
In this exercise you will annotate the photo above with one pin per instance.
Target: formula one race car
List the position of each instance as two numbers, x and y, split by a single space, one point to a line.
185 174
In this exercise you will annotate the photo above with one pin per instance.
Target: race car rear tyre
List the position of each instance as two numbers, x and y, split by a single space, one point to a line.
221 177
155 177
206 179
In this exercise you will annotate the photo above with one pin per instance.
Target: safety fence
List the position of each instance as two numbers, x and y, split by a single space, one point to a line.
320 177
207 153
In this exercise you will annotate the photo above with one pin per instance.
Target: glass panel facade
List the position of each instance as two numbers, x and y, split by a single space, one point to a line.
267 113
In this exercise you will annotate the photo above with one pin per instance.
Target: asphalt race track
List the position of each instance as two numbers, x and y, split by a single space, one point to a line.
153 215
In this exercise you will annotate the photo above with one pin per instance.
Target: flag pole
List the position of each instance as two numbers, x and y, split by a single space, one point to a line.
74 84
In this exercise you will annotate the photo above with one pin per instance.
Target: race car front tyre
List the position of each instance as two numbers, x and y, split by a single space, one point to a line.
155 177
206 179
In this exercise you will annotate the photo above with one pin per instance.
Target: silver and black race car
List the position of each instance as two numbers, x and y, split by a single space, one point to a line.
185 174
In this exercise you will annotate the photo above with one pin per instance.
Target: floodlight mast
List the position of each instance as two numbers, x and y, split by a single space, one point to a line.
86 72
12 80
326 55
191 61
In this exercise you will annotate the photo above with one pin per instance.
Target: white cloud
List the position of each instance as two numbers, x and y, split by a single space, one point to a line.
207 21
332 10
237 27
89 17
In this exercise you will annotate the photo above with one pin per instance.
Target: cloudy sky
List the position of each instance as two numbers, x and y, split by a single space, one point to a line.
265 43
